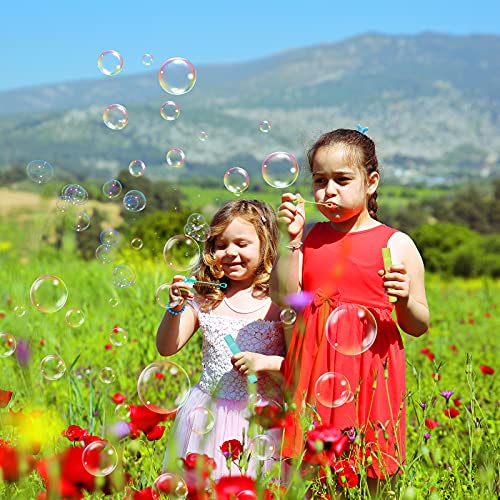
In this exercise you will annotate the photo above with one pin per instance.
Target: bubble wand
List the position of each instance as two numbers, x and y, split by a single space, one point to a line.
302 200
386 256
211 283
233 346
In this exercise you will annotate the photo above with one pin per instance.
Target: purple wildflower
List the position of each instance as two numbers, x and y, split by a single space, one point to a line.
447 395
299 300
423 406
427 436
23 352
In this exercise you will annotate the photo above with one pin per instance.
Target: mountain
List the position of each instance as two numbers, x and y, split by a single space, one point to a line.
431 102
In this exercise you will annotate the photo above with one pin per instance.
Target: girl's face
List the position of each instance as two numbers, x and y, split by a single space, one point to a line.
345 188
237 251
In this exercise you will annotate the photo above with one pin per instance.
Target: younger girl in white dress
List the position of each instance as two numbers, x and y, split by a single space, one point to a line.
240 253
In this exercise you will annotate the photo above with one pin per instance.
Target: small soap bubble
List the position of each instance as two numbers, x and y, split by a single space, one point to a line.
203 136
105 254
118 336
147 59
110 62
99 458
169 486
162 295
110 236
288 316
75 194
19 311
170 111
236 180
75 317
181 252
115 117
199 233
196 220
136 243
48 293
201 420
262 447
112 188
280 169
40 171
80 221
177 76
265 126
134 201
122 411
8 344
175 157
107 375
52 367
351 329
63 204
136 168
246 495
163 386
332 389
113 302
123 276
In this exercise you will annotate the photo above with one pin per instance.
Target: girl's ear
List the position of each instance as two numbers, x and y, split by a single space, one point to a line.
372 182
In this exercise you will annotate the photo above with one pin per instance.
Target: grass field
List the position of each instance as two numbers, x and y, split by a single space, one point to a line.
450 454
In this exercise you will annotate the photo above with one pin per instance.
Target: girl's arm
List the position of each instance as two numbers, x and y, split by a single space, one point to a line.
405 281
176 329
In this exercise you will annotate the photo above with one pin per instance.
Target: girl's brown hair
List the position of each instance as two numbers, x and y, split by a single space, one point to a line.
360 152
263 219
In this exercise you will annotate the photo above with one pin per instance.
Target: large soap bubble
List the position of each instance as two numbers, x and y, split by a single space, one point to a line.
236 180
181 252
115 116
110 62
177 76
280 169
48 293
332 389
40 171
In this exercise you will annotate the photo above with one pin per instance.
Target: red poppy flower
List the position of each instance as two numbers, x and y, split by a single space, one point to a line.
487 370
232 449
436 377
145 494
199 461
108 347
453 349
457 402
75 433
10 462
424 350
431 424
118 398
347 475
431 356
333 439
159 375
451 412
487 315
5 397
272 416
155 433
230 487
144 419
42 342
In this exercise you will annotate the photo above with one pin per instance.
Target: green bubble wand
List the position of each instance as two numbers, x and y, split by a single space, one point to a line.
302 200
210 283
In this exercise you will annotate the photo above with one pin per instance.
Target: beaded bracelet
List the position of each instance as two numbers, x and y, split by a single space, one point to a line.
294 247
176 313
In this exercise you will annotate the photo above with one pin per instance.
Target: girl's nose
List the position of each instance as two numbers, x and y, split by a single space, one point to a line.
331 188
231 250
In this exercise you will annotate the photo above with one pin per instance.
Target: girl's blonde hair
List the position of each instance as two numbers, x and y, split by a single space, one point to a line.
263 219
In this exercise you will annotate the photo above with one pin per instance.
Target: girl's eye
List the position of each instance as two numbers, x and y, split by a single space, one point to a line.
319 180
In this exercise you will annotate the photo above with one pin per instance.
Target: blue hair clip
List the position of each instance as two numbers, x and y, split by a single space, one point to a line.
362 129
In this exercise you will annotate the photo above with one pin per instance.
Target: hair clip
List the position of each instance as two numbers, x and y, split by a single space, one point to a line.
264 220
362 129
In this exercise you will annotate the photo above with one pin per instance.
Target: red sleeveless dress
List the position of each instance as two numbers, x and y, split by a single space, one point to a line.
339 270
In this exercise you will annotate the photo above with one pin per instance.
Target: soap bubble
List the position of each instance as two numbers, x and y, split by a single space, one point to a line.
199 233
113 302
110 62
110 237
163 386
332 389
40 171
134 201
105 254
115 117
136 243
8 344
196 220
288 316
123 276
75 194
262 447
48 293
181 252
280 169
175 157
75 317
99 458
246 495
162 295
201 420
203 136
236 180
107 375
170 111
169 486
112 188
63 204
351 329
147 59
265 126
118 336
177 76
19 311
136 168
122 411
80 221
52 367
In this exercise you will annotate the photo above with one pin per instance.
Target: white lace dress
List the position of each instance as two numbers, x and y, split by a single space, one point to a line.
223 391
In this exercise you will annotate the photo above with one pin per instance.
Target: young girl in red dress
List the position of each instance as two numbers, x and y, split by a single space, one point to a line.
339 264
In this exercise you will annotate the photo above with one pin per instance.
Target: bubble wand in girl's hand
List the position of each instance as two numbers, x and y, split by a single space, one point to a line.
302 200
211 283
386 255
233 346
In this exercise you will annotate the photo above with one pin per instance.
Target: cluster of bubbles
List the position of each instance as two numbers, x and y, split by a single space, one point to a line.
197 227
181 252
106 252
236 180
40 171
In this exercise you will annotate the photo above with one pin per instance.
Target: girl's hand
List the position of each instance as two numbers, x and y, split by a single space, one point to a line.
291 212
180 291
248 362
396 281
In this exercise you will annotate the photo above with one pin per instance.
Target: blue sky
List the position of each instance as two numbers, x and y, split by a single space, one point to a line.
55 41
